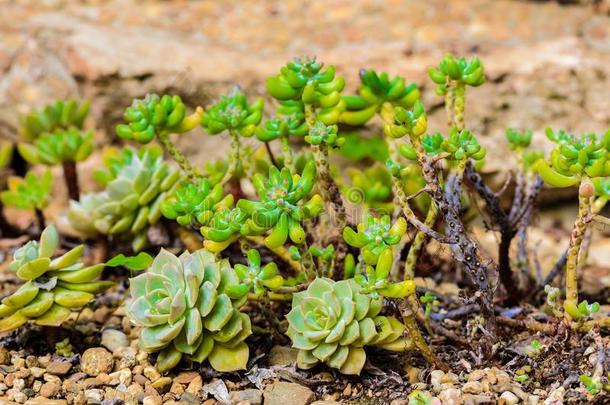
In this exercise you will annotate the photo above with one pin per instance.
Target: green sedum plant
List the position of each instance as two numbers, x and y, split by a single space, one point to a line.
185 308
33 192
374 235
60 115
332 321
255 278
130 203
53 286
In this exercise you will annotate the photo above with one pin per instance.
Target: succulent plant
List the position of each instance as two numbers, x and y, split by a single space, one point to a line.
573 158
153 116
233 113
320 134
115 159
224 228
254 278
332 321
457 70
130 203
61 115
400 121
375 90
371 187
70 145
374 235
53 286
33 192
289 121
183 305
431 143
280 208
518 140
463 145
6 154
303 79
374 281
193 204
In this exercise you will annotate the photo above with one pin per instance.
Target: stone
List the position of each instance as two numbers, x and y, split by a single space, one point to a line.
326 402
123 376
37 372
195 385
126 356
48 390
185 377
45 401
95 396
452 396
162 382
152 400
96 360
114 340
5 356
472 387
151 373
59 367
177 388
252 396
509 398
282 356
282 393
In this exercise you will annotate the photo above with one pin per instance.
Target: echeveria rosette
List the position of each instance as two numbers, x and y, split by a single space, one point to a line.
184 309
458 70
32 192
281 208
303 79
60 115
115 159
374 235
255 278
573 158
371 187
332 321
130 203
53 285
194 204
400 122
233 113
70 145
375 90
322 134
463 145
153 116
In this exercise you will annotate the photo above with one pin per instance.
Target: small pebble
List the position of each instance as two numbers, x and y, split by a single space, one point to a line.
96 360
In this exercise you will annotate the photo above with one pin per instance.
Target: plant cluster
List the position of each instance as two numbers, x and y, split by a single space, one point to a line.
347 282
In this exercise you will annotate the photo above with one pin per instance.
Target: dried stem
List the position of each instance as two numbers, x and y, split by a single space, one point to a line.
71 179
418 242
178 157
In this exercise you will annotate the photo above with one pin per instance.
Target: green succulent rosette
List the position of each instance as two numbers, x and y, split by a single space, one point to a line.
233 113
224 228
322 134
184 309
374 235
462 145
70 145
304 80
53 285
289 121
60 115
375 90
374 280
431 143
371 187
332 321
573 158
115 159
518 140
130 203
32 192
194 204
154 115
255 278
459 70
281 208
400 121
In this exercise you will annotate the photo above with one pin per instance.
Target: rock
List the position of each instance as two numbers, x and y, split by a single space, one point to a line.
114 340
45 401
185 377
195 385
94 396
509 398
326 402
282 393
252 396
218 390
451 396
177 388
162 382
282 356
37 372
96 360
120 377
152 400
151 373
472 387
59 367
5 356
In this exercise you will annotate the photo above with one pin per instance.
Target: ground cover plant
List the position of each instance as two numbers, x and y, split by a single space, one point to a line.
279 234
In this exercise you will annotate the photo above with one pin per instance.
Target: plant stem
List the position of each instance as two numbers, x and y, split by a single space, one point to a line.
40 219
576 238
71 179
280 252
418 242
287 153
178 157
459 105
233 157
